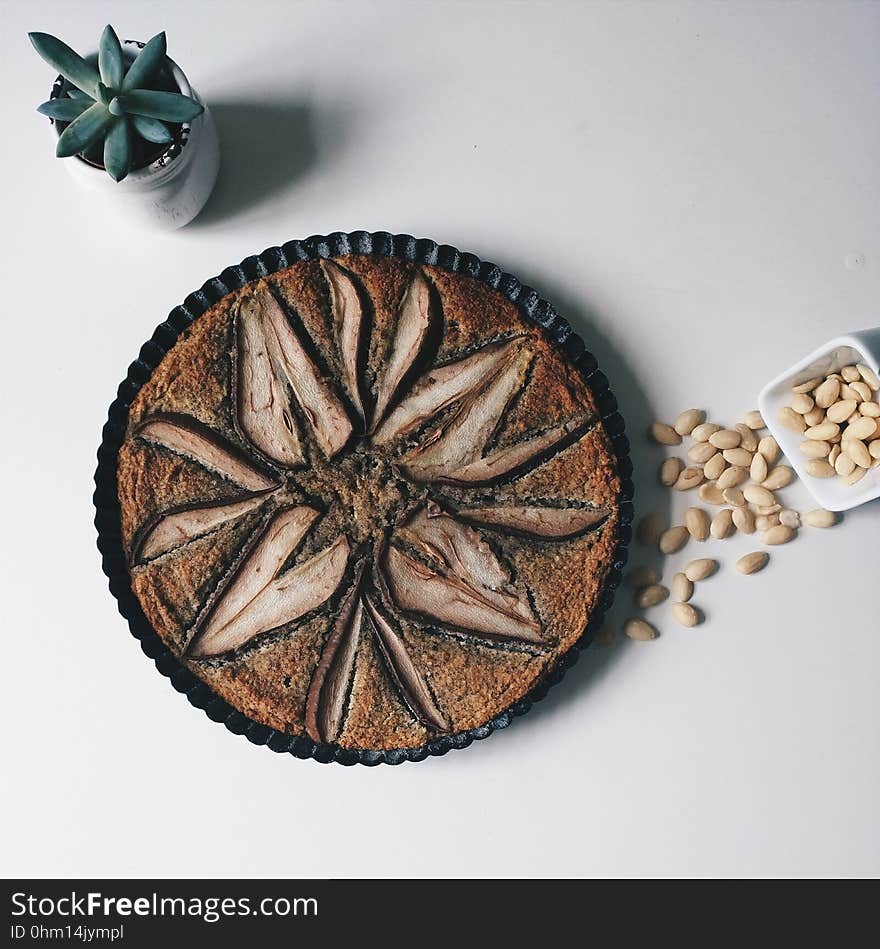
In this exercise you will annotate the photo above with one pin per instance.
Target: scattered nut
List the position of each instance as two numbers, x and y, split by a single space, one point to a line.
790 518
702 432
722 524
738 456
769 448
689 478
689 420
642 577
673 539
755 494
682 588
651 595
665 434
734 496
686 614
696 520
733 476
780 534
821 518
639 630
748 439
758 469
700 569
755 421
780 477
753 562
711 494
714 467
744 520
763 522
725 438
670 470
701 452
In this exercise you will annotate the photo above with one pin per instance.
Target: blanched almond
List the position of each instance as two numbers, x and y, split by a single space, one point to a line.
806 386
682 588
734 496
769 448
870 409
744 520
748 439
722 524
650 528
767 509
790 518
696 520
755 494
850 373
651 595
819 468
700 569
738 456
822 432
855 476
858 451
815 449
702 432
764 522
639 630
814 417
821 518
714 467
665 434
701 452
862 389
840 411
871 377
642 577
874 448
843 465
725 438
686 614
802 403
755 421
689 478
758 470
673 539
689 420
780 534
847 393
731 477
833 455
780 477
827 393
670 470
753 562
789 419
862 430
711 494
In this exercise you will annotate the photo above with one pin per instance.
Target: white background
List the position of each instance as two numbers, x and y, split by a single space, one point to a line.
686 181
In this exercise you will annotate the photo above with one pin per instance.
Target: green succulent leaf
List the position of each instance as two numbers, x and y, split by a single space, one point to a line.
83 131
115 106
105 95
117 150
151 129
110 61
69 63
168 106
75 93
146 65
64 110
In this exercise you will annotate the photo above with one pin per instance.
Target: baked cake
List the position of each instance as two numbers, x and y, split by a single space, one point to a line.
365 501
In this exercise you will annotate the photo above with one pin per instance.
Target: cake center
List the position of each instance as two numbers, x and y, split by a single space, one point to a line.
361 485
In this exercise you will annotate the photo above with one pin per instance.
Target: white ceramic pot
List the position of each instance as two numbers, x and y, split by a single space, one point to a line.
171 190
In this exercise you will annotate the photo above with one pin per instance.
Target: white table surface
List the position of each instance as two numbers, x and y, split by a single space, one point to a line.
687 182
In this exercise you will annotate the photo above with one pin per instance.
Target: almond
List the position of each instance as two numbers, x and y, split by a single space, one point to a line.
855 476
827 393
815 449
700 569
789 419
858 451
850 373
725 438
697 522
871 377
753 562
870 409
843 465
802 403
755 494
780 477
819 468
642 577
701 452
711 494
840 411
689 478
665 434
670 470
744 520
651 595
862 430
748 439
780 534
769 448
682 588
673 539
686 614
821 518
862 389
734 496
822 432
722 524
790 518
731 477
689 420
763 522
702 432
738 456
714 467
755 420
639 630
758 470
814 417
806 386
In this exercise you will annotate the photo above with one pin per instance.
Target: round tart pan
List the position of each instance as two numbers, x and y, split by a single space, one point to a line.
107 516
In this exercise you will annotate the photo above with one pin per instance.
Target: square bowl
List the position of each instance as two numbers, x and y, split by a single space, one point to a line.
859 347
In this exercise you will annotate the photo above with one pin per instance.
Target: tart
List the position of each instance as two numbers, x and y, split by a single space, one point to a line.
363 505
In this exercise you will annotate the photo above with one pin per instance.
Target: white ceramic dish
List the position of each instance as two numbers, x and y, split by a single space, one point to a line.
860 347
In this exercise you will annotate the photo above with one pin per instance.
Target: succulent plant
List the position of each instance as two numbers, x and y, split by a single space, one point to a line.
114 112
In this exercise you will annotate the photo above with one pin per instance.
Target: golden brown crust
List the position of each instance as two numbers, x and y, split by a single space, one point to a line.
471 680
